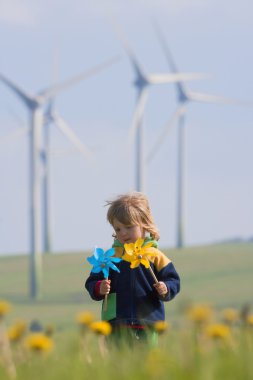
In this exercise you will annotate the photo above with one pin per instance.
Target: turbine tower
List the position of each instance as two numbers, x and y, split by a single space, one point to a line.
142 82
184 97
35 104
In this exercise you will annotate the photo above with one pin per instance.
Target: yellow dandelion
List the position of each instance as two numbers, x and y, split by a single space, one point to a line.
250 319
200 313
39 342
85 318
218 331
161 326
230 315
5 307
17 331
101 327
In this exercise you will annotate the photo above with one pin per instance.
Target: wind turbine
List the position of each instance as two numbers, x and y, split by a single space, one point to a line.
142 82
35 104
184 97
51 116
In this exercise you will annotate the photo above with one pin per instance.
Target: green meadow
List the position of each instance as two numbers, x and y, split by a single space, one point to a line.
217 274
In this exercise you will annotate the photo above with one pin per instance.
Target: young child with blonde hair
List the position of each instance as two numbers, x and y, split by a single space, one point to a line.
134 300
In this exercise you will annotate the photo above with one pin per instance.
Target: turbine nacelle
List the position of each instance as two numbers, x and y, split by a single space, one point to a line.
141 82
35 102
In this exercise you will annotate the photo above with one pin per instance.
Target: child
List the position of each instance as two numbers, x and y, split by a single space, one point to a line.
134 301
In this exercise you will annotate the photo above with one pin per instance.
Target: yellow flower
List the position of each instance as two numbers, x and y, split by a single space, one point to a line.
200 313
16 331
250 319
101 327
39 342
218 331
85 318
137 254
5 307
161 326
230 315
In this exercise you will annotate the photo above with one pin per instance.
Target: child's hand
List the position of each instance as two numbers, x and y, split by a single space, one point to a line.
161 288
105 287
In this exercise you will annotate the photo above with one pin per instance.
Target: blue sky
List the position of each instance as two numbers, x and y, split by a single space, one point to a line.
207 36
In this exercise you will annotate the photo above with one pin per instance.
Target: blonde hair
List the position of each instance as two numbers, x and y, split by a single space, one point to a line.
132 208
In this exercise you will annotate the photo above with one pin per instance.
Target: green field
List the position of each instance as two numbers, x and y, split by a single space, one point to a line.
217 274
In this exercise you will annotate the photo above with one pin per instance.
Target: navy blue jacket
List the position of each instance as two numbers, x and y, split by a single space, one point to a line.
136 301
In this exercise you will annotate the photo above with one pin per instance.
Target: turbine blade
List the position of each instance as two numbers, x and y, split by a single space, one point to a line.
181 89
126 46
54 90
175 77
165 47
67 131
20 132
179 111
200 97
23 95
138 114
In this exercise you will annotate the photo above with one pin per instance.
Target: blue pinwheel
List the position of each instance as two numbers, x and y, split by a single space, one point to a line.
103 261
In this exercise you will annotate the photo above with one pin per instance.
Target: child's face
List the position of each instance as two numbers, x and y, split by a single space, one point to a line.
127 234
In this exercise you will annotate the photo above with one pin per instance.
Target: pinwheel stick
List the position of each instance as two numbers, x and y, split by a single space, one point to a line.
105 301
153 275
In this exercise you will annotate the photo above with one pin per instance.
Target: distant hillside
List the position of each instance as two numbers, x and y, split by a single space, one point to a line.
219 274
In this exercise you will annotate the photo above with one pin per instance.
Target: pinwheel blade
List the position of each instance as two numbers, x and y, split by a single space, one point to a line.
110 252
100 254
96 269
105 272
115 259
112 266
91 260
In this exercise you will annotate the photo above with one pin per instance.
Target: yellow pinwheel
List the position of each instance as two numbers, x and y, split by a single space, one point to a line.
136 253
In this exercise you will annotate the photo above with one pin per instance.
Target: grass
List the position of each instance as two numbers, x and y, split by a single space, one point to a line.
219 275
216 274
181 354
